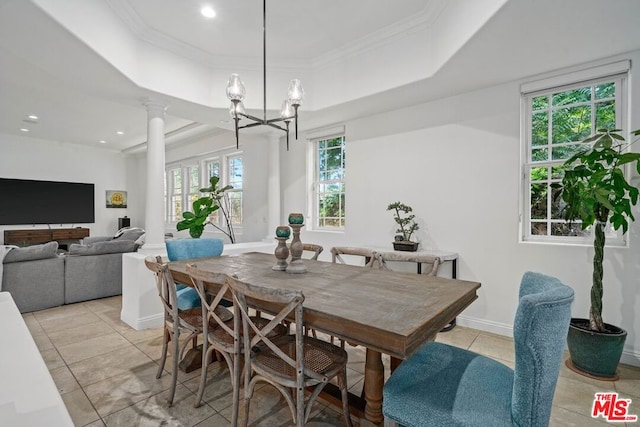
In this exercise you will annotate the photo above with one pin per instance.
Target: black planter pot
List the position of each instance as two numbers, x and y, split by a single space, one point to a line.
403 245
595 354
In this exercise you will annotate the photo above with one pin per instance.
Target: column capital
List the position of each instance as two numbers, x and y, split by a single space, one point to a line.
155 108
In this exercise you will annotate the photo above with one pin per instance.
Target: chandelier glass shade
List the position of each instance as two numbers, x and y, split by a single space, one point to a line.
236 93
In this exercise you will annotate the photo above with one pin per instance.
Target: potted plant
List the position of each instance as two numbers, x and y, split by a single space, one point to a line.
596 192
203 207
406 226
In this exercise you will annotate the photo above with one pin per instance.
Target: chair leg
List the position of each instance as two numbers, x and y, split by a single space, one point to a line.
342 383
206 355
237 377
165 347
174 372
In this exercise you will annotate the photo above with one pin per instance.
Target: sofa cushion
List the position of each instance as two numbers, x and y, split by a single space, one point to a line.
98 248
30 253
129 234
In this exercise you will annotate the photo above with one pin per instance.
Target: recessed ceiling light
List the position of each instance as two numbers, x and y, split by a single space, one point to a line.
24 130
33 117
208 12
103 141
120 132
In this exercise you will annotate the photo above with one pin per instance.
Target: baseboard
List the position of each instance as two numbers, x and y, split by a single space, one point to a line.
485 325
629 357
148 322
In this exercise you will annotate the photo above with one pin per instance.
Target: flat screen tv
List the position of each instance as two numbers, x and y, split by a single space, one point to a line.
24 201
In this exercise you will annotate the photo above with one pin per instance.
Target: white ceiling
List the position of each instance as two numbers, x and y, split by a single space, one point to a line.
82 98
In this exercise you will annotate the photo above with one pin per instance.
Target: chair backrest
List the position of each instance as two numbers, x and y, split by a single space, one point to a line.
211 309
165 284
370 257
180 249
539 333
289 303
430 260
310 247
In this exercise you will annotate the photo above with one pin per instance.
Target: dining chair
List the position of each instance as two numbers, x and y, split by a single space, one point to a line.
176 321
369 255
315 250
445 385
291 363
430 261
218 326
183 249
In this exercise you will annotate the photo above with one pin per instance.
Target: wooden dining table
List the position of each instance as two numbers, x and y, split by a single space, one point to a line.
385 311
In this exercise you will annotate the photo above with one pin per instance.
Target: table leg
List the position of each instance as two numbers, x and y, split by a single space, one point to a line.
373 383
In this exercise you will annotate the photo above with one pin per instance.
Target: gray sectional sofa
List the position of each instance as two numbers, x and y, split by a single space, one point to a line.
38 277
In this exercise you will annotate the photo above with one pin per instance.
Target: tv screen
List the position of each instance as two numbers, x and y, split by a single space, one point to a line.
25 201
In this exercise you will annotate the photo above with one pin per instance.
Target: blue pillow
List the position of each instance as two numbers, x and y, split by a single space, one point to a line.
187 298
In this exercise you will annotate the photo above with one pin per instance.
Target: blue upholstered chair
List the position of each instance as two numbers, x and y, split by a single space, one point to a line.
181 249
442 385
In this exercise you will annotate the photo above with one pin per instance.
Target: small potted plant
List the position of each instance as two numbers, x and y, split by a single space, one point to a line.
406 227
596 192
203 207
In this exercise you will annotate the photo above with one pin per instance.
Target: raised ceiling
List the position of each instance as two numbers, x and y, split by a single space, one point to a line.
85 67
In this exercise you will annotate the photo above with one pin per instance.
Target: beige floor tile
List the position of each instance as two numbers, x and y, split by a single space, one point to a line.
561 417
107 365
104 304
328 416
154 411
97 423
32 323
135 336
459 337
112 317
64 379
69 322
79 407
494 346
217 392
215 421
52 359
629 383
122 391
577 396
55 313
75 352
42 341
79 333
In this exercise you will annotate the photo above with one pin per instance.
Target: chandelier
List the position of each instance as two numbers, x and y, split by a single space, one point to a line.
236 93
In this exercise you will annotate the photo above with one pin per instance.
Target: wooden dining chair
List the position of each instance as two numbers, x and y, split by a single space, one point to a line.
176 321
219 326
291 363
430 261
369 256
445 385
311 249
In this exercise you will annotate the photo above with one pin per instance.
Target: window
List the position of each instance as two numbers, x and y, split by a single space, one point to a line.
184 181
328 183
555 121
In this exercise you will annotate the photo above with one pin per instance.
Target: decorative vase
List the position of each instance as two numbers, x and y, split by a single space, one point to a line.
281 252
296 265
595 354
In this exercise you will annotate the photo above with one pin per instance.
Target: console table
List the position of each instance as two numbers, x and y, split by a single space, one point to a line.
43 235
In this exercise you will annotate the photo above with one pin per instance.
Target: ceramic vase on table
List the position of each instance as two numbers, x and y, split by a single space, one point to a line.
282 251
296 266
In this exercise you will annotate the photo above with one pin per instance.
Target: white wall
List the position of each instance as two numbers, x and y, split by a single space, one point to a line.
29 158
456 161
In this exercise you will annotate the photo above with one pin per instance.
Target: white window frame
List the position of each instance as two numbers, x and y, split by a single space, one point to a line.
314 179
617 72
202 162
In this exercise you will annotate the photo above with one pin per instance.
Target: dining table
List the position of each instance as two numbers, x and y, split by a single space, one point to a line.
387 312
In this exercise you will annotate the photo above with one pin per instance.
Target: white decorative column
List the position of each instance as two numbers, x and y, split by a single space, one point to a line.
273 187
154 206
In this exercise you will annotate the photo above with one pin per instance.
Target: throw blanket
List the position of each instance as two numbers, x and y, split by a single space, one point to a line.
4 249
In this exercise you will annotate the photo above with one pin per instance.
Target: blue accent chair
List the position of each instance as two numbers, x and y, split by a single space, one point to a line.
442 385
181 249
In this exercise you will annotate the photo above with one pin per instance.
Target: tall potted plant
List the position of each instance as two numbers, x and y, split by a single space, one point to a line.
216 199
595 191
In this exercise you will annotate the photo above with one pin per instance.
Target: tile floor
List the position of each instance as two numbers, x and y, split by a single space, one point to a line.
106 374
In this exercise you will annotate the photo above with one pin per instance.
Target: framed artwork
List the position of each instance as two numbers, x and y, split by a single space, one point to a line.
116 199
